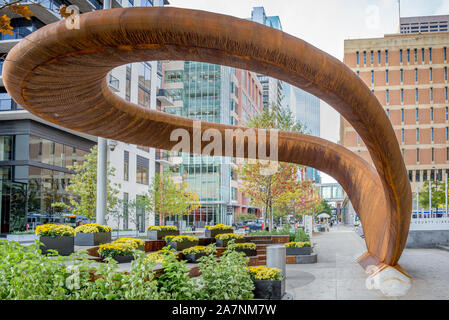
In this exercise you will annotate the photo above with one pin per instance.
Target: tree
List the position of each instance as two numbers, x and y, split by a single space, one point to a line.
166 198
438 194
282 190
22 8
83 188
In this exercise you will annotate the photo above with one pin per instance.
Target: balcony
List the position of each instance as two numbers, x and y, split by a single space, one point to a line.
113 83
167 158
45 10
164 99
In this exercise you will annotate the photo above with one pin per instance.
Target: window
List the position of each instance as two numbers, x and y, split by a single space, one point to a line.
402 115
447 133
431 94
172 76
386 56
416 74
445 93
387 93
402 95
128 82
417 134
372 76
388 113
402 135
126 166
424 175
358 74
234 193
445 73
402 75
447 154
417 155
146 3
430 74
417 114
416 55
386 76
142 170
416 95
6 148
372 57
432 136
444 53
358 139
431 113
357 58
422 55
400 56
379 56
430 54
432 174
408 55
410 175
417 175
364 57
125 210
447 113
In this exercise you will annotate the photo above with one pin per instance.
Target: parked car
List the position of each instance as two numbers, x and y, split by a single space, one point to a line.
254 225
238 225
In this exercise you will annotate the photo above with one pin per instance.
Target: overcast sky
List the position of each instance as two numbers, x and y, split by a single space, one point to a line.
326 24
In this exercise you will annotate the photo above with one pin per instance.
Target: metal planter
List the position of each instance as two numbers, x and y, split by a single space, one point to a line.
269 289
224 243
64 245
92 239
179 246
247 252
123 259
298 251
194 257
213 233
160 235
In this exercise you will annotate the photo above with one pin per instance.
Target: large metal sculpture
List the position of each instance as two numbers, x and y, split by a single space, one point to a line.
59 74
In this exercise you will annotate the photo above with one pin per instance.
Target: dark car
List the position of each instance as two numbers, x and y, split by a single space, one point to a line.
254 225
238 225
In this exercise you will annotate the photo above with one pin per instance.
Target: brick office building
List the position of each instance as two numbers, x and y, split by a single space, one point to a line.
408 75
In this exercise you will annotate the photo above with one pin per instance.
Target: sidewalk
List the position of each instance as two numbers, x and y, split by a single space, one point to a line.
338 276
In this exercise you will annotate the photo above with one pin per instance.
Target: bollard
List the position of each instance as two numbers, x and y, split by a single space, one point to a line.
276 257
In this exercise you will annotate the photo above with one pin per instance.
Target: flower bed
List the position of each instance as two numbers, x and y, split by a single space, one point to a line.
248 248
121 252
136 243
159 256
180 243
193 254
268 283
213 231
56 237
223 239
160 232
298 248
92 234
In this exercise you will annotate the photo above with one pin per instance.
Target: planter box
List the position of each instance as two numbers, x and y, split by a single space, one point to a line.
298 251
269 289
224 243
213 233
179 246
160 235
248 252
193 257
92 239
123 259
64 245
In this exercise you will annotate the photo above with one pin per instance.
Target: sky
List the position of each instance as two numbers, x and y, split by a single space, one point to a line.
326 24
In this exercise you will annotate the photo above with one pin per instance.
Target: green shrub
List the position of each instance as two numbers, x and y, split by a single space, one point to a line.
301 236
226 278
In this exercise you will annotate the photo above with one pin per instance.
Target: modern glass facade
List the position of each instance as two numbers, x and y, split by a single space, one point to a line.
34 174
202 91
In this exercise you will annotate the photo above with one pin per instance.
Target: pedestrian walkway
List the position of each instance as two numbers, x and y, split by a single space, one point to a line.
337 275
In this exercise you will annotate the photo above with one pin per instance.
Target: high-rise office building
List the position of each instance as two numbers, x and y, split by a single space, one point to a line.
408 73
35 153
424 24
217 94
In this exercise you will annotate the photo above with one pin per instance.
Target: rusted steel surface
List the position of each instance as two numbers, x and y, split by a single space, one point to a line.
60 75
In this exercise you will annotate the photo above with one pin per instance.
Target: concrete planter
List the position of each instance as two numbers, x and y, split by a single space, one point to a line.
269 289
194 257
247 252
179 246
160 235
224 243
64 245
298 251
213 233
92 239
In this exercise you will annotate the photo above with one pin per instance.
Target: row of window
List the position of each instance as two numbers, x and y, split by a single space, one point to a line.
432 134
142 169
401 55
433 174
431 92
401 72
432 114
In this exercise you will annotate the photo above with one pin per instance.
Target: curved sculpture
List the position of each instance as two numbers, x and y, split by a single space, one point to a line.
60 74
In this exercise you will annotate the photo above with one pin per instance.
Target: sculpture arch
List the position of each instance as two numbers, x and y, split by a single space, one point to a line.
59 74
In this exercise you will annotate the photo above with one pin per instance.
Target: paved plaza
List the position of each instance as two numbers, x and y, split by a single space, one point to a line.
338 276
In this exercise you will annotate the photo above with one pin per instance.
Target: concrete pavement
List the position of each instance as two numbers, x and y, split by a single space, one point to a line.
338 276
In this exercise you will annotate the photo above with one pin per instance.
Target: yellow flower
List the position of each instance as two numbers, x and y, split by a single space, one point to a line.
117 249
92 228
226 236
54 230
247 245
199 249
265 273
181 238
298 244
219 226
162 228
135 242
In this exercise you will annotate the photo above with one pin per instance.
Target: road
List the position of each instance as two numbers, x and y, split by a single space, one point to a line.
338 276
